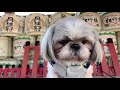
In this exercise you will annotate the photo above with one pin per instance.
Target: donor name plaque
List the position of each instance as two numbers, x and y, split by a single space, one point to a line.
92 18
111 21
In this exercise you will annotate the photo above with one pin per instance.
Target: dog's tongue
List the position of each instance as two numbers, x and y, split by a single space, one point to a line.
75 72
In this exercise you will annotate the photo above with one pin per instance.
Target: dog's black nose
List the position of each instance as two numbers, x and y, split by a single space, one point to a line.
75 47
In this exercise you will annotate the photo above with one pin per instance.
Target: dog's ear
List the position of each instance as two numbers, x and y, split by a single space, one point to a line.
46 44
97 52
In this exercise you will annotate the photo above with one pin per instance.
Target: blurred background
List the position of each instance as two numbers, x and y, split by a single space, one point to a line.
18 27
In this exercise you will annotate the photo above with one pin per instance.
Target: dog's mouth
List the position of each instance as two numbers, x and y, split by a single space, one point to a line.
71 59
73 63
74 58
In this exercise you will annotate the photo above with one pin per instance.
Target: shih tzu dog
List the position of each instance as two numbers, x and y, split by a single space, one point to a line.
69 46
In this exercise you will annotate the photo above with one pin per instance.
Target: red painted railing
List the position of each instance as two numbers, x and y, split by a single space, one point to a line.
103 69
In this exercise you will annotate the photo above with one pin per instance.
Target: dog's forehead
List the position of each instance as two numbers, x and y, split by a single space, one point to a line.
80 33
74 30
73 33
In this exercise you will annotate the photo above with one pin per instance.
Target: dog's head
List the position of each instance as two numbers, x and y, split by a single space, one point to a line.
71 39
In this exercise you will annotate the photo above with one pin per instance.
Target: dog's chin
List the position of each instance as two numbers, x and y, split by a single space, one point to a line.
61 56
73 59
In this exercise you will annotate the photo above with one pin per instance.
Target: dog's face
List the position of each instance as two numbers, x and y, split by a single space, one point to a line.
71 39
72 45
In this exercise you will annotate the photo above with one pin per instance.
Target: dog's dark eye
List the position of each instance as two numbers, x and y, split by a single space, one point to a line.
64 42
84 41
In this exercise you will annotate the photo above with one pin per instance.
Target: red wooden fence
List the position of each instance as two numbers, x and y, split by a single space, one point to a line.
103 69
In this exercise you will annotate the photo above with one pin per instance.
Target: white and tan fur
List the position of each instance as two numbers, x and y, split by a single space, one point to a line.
61 41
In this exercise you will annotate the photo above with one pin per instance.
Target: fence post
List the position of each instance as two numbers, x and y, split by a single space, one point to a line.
35 61
114 56
25 60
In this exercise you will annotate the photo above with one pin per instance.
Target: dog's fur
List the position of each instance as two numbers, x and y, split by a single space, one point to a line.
71 41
